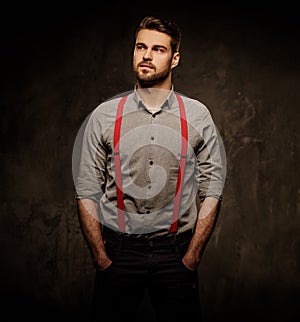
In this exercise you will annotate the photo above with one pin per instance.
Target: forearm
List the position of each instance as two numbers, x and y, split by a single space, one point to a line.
88 214
204 227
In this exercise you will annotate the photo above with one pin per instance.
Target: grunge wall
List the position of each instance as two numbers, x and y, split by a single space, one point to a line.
58 64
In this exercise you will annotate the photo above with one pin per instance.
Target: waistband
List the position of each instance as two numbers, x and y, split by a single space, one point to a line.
170 237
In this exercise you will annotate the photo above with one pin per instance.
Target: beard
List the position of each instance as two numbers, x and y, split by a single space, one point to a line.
147 80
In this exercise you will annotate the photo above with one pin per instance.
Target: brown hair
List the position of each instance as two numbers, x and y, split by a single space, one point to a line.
162 25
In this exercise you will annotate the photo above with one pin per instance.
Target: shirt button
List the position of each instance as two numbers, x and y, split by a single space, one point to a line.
152 138
149 187
151 162
153 115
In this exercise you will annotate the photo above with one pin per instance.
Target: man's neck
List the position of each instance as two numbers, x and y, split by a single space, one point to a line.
154 97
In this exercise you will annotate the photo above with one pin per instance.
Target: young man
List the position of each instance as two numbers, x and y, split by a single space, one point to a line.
149 187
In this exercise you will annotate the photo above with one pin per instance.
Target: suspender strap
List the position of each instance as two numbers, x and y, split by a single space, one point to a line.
182 164
120 198
180 178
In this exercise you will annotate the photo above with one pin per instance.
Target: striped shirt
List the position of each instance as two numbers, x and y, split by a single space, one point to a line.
150 151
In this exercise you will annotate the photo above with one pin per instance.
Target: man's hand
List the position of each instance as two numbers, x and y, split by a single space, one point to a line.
101 260
88 214
207 217
191 260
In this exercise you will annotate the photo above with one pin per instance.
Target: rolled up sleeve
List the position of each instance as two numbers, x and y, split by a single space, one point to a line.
211 161
90 179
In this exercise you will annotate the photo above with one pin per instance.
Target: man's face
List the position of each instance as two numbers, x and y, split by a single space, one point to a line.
153 59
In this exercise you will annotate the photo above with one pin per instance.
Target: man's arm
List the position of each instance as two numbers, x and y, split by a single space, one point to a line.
88 212
207 218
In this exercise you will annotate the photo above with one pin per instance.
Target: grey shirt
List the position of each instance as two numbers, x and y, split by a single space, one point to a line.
150 147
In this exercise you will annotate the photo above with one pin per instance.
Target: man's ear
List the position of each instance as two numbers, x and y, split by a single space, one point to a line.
175 59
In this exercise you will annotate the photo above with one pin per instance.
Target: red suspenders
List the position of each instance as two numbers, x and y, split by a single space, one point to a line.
184 141
117 131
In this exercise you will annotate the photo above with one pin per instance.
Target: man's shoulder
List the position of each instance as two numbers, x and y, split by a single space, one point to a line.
194 105
109 105
117 97
114 100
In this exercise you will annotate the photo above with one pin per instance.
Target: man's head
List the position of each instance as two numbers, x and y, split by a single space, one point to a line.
165 26
156 52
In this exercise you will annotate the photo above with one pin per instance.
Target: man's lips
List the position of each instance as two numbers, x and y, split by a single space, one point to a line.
143 65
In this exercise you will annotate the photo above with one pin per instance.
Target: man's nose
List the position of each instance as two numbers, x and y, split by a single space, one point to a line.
148 54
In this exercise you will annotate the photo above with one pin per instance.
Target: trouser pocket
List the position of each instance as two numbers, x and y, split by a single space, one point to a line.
112 244
181 247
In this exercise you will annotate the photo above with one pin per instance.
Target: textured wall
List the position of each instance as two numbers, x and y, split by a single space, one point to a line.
58 65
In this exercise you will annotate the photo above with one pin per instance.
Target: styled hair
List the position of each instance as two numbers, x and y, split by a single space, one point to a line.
162 25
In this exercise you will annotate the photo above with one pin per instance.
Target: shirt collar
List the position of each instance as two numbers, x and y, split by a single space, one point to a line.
167 104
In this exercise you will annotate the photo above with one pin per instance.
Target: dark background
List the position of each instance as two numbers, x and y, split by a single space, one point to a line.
58 63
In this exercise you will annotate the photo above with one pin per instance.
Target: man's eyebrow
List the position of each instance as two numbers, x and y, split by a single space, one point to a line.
155 46
140 43
160 46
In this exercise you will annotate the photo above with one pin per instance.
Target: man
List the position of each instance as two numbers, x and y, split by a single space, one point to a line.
149 186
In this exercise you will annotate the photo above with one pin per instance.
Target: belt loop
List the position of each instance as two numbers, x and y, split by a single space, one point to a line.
173 238
120 235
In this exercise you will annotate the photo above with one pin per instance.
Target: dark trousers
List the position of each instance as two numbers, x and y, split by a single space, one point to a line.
138 265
